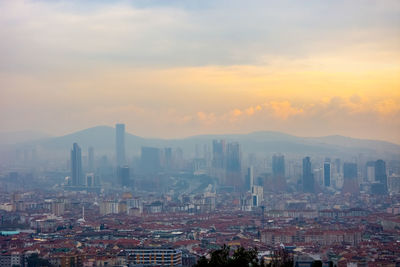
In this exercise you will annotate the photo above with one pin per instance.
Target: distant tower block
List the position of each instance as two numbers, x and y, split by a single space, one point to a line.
278 172
308 176
350 176
76 165
327 174
91 159
120 144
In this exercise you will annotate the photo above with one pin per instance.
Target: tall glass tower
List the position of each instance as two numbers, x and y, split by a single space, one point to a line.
76 165
120 144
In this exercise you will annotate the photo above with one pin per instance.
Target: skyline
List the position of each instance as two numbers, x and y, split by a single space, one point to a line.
175 69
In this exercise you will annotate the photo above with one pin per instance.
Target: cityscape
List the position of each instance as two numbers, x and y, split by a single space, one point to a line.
165 206
201 133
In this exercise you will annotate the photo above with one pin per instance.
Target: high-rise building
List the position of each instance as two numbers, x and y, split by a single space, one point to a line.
167 158
120 144
76 166
249 181
123 175
219 151
91 159
380 177
370 171
308 177
233 158
350 178
327 174
278 165
338 165
278 172
150 159
234 166
350 170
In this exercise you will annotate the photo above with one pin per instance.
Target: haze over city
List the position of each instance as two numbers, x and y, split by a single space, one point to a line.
151 133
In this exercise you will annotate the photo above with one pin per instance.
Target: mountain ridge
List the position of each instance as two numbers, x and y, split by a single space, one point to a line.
103 137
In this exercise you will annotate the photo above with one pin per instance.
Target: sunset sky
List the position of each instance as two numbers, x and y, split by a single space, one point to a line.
179 68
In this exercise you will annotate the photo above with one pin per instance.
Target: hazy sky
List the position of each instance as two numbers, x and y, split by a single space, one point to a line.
178 68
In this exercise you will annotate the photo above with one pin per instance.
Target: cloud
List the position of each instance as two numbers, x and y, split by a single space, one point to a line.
173 68
207 118
284 109
64 35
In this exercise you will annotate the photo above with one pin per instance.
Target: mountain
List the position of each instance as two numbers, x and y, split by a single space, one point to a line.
102 138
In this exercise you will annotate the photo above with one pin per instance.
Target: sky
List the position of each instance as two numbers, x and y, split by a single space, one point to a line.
173 69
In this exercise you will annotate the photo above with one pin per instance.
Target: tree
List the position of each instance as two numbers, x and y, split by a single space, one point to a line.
35 261
221 258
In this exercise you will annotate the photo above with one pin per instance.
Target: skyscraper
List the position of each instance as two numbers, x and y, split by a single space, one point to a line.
278 165
120 144
218 160
91 159
76 165
233 159
380 177
349 170
123 175
350 178
249 181
308 177
370 171
150 160
327 174
278 172
167 158
234 166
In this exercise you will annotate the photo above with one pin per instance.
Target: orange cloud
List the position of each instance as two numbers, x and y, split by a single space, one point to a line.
207 118
236 112
250 111
284 109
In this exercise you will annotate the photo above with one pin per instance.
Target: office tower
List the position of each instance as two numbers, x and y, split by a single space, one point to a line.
120 144
370 171
350 170
91 159
150 159
234 166
327 174
278 165
380 185
249 178
218 160
350 178
123 175
168 158
177 158
233 159
308 177
338 166
278 172
76 166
